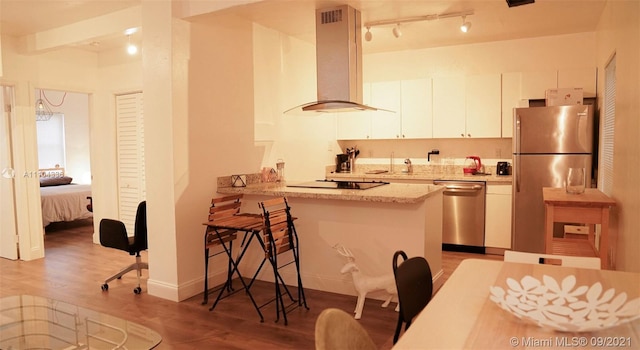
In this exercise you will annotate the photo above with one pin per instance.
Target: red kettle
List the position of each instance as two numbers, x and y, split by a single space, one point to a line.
472 165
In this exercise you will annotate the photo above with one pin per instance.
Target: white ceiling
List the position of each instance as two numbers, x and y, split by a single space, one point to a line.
492 19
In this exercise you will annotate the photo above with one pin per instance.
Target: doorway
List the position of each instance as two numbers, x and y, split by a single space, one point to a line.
64 162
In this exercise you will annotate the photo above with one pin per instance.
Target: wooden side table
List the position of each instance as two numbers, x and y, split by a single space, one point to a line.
592 208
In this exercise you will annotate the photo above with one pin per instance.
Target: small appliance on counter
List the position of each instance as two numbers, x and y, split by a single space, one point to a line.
342 163
503 168
472 165
346 162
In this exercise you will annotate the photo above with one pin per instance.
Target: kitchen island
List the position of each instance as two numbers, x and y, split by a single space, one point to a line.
372 223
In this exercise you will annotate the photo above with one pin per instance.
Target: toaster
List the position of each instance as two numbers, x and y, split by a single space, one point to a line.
503 168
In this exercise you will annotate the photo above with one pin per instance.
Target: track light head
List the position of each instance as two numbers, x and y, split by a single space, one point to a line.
132 49
368 36
465 25
396 31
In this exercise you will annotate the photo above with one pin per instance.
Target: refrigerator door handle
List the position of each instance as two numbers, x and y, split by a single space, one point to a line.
518 136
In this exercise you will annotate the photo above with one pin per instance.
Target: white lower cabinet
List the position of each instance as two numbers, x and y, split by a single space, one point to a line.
497 229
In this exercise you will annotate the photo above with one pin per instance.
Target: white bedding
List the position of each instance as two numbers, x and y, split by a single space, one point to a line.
65 203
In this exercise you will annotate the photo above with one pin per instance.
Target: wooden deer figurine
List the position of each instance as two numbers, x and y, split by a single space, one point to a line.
365 284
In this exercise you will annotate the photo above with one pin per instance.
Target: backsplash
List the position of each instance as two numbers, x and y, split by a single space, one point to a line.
496 148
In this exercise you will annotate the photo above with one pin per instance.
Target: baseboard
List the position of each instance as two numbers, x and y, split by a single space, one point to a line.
462 248
163 290
438 280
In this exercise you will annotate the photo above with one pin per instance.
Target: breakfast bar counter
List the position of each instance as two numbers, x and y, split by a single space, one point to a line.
372 223
389 193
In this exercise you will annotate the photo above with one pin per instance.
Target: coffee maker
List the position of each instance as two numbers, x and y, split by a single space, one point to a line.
342 163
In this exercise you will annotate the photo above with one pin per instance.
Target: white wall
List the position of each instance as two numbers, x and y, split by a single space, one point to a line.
524 55
619 32
285 77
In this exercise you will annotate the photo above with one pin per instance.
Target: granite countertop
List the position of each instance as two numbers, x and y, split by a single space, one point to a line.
419 174
391 193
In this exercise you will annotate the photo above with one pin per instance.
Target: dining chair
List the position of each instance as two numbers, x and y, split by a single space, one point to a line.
552 259
279 237
336 329
113 234
415 288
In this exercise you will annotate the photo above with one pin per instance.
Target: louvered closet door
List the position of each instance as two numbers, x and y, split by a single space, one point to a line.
131 174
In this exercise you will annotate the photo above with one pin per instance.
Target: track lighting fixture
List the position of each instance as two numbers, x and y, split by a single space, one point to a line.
465 25
396 31
368 36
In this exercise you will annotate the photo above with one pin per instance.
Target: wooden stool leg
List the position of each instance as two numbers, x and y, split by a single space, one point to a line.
548 232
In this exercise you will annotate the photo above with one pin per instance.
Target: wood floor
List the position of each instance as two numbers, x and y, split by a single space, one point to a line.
74 268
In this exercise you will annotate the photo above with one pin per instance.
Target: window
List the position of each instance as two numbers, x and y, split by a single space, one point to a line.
605 182
51 142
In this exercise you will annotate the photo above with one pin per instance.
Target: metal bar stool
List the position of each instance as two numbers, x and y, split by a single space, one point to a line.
222 227
220 207
279 236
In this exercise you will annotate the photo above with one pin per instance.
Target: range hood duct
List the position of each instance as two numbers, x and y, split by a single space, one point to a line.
338 61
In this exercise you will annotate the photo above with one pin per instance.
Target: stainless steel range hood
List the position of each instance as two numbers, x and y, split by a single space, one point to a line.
338 61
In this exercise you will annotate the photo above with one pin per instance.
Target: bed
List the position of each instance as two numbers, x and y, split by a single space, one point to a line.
62 200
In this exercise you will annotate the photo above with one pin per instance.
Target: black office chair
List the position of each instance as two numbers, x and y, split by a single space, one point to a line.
415 286
113 234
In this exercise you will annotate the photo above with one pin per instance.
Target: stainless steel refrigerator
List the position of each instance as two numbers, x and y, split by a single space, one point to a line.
547 141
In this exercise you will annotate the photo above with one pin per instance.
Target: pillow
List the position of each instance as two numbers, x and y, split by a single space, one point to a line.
55 181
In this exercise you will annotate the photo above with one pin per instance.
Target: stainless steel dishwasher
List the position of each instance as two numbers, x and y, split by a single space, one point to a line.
463 215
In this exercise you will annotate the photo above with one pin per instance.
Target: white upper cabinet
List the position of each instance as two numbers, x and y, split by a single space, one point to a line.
411 112
467 107
356 125
449 107
484 110
386 95
536 83
523 86
511 92
584 78
417 109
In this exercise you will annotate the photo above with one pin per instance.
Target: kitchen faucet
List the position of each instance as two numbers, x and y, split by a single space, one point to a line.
409 166
433 151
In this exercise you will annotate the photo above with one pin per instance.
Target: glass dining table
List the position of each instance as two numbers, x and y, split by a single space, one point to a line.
33 322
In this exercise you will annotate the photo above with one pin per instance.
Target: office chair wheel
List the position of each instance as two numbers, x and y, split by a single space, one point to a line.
105 287
137 290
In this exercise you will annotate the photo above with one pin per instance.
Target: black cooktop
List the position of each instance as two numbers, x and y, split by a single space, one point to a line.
333 184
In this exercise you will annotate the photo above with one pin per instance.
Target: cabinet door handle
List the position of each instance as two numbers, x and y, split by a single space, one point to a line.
462 135
468 135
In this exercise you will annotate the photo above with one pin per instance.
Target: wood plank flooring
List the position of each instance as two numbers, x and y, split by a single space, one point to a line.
74 268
